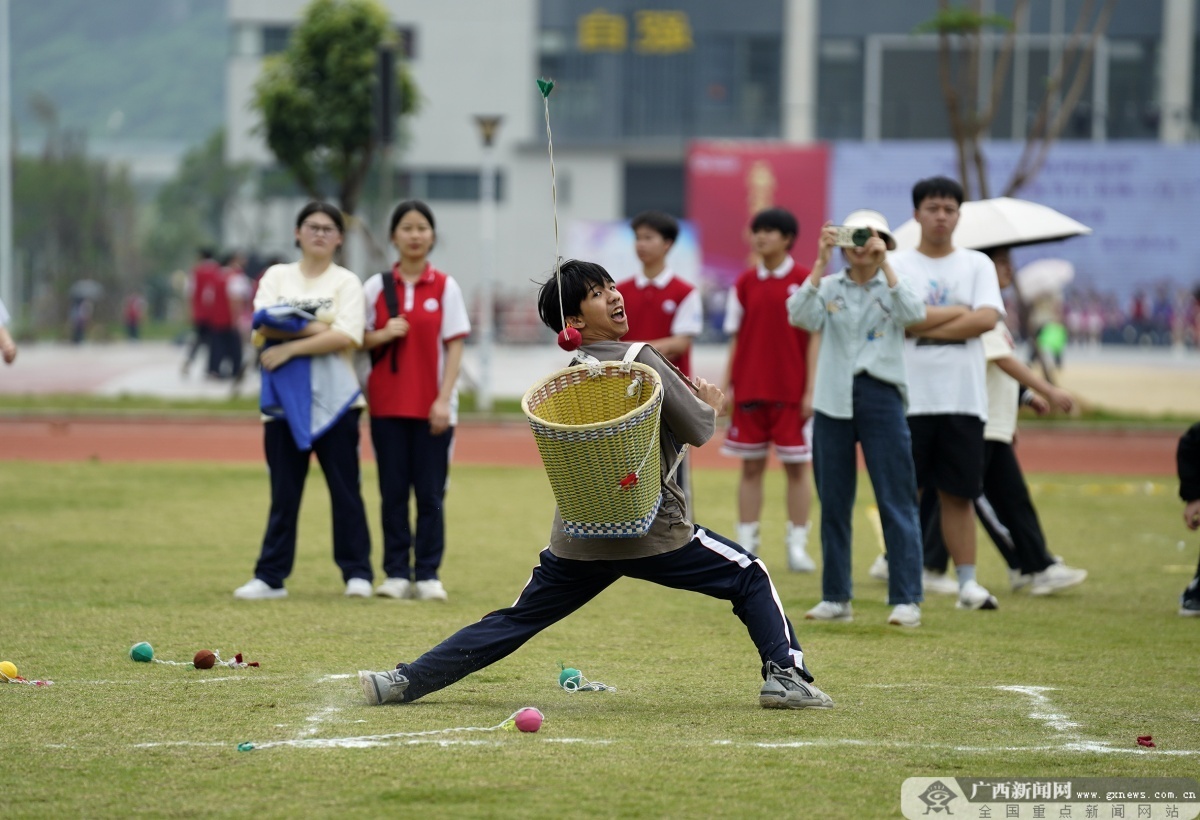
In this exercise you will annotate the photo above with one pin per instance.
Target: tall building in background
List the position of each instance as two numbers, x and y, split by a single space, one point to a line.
638 82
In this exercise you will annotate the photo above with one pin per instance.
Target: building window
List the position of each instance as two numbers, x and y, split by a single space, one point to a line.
275 39
448 186
653 187
406 42
433 185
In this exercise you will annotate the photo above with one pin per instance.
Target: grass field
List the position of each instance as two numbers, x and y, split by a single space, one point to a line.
96 557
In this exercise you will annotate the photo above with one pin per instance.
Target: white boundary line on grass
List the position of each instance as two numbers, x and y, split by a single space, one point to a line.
1041 708
1110 488
1042 711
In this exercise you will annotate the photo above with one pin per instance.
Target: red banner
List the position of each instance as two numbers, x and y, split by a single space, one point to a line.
729 182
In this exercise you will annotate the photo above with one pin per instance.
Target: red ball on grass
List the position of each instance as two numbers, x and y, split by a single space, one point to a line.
204 659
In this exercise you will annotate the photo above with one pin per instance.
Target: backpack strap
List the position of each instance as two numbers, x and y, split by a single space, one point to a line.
392 299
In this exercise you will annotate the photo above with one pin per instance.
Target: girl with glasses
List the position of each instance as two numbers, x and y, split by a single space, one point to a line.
308 317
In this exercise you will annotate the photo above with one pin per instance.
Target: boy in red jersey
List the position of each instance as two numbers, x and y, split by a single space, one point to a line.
663 309
766 385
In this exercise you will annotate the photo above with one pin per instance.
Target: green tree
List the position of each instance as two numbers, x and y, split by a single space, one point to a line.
189 210
317 97
961 31
74 219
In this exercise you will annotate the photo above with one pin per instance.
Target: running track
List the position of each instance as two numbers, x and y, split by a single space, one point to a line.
1114 453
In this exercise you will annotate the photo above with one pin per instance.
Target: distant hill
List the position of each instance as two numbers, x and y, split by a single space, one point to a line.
121 69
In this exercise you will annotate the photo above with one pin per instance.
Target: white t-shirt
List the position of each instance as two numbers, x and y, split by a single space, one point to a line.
948 377
1003 390
4 317
335 297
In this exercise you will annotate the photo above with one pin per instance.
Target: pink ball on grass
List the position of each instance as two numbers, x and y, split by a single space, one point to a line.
528 719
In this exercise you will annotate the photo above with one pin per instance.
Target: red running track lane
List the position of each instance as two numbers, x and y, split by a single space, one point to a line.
1098 452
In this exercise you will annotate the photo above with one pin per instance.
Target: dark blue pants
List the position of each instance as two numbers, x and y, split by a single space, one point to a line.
709 564
410 459
880 426
337 452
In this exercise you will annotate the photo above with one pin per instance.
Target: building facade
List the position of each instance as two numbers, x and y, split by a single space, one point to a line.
637 81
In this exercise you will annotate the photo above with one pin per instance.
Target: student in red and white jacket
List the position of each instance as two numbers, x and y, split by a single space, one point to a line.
663 309
416 352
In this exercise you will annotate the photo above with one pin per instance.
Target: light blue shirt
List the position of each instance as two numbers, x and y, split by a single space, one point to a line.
862 331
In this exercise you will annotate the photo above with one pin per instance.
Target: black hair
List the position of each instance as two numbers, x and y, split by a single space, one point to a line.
410 205
777 219
330 211
661 223
206 253
936 186
321 208
578 279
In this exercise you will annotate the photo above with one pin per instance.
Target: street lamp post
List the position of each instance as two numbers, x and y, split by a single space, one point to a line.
488 126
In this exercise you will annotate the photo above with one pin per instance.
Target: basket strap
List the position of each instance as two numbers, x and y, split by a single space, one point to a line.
635 384
630 355
678 460
591 362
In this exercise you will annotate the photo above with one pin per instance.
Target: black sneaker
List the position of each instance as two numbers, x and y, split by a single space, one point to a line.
785 689
383 687
1189 607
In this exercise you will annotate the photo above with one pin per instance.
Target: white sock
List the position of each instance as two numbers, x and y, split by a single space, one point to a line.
965 573
747 536
797 535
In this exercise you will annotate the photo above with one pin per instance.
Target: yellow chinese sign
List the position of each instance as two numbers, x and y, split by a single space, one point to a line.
663 32
601 31
658 32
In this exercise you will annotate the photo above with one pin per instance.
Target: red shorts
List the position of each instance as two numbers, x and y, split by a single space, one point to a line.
758 424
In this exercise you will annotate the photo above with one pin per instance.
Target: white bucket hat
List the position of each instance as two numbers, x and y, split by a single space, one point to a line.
866 218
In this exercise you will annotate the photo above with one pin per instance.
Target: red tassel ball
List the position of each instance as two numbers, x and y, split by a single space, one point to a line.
569 339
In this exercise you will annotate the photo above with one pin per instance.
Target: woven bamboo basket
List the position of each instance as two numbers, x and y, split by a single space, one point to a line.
597 431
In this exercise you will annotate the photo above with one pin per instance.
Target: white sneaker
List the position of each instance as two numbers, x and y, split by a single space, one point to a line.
831 611
1018 580
797 549
395 588
905 615
358 588
257 589
973 596
431 590
747 537
879 569
938 582
1056 577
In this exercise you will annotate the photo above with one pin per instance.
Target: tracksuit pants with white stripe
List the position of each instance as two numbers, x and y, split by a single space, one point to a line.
709 564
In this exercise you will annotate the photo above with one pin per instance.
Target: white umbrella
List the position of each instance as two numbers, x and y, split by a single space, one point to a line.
1000 222
1044 277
